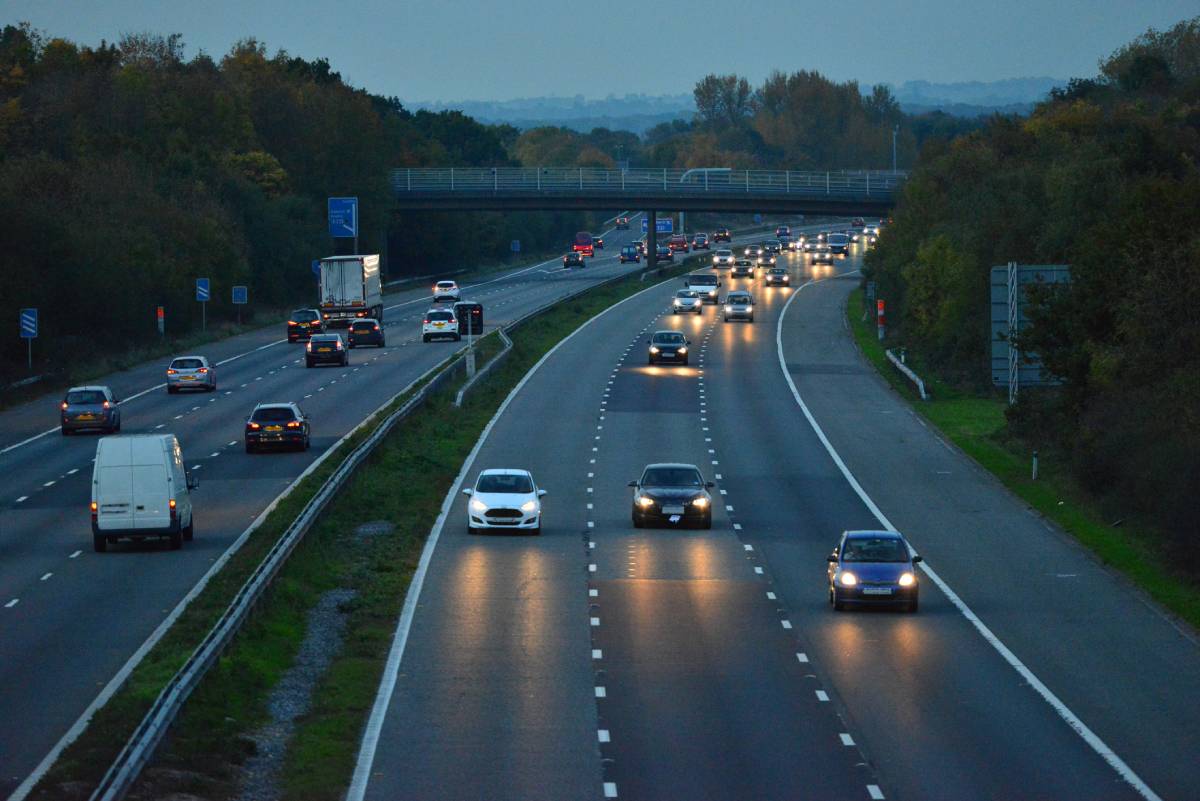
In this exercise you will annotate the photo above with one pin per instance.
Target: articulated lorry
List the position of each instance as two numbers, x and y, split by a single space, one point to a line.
350 289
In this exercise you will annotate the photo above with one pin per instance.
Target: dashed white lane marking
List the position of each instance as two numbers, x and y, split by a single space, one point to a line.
195 408
12 603
259 378
758 570
179 417
718 476
593 593
243 386
591 568
728 508
787 624
160 425
595 621
309 395
74 555
610 789
822 695
233 442
197 466
747 546
602 735
214 453
601 692
802 658
597 653
50 483
22 499
591 524
846 739
737 526
72 471
589 506
45 577
875 792
770 595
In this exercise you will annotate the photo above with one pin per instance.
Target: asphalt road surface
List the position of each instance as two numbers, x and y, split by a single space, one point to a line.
600 660
71 618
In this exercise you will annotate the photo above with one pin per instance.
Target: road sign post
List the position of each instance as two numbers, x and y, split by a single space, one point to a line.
343 219
879 319
240 296
203 294
29 332
160 319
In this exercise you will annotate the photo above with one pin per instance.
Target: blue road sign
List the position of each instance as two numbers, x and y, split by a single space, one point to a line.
240 295
515 246
758 219
316 266
29 324
343 217
662 225
202 291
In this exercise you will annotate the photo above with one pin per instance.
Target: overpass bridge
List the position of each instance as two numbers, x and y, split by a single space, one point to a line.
862 193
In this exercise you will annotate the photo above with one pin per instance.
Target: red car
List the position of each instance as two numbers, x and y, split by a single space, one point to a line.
678 242
584 244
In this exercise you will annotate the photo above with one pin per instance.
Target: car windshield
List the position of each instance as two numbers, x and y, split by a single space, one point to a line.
668 338
703 280
779 271
501 482
838 239
737 298
273 414
773 243
440 317
686 293
445 284
326 339
724 252
363 326
86 396
629 248
874 549
671 477
186 364
305 315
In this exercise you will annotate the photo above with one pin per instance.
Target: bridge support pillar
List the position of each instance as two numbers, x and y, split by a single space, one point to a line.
652 239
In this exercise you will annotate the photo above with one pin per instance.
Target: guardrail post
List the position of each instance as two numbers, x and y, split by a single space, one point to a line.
539 178
664 179
581 178
868 182
706 180
747 180
827 183
495 181
622 180
451 179
409 171
788 176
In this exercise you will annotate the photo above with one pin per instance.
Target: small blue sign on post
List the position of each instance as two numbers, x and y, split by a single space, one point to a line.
515 246
202 290
240 295
29 323
343 217
758 219
662 225
316 266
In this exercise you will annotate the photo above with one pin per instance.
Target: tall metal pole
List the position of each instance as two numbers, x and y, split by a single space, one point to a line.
895 130
652 240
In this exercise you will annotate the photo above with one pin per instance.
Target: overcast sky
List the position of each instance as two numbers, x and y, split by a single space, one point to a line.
480 50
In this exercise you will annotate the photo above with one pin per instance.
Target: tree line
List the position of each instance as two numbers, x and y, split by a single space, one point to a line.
127 171
1104 176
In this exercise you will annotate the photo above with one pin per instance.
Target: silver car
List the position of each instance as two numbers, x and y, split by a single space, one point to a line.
191 372
90 407
687 300
739 306
723 258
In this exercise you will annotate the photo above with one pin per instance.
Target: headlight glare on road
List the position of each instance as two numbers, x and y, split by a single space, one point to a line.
478 506
907 580
848 579
529 507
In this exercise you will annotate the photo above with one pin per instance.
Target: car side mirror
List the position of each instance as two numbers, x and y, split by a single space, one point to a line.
468 492
541 493
632 484
917 558
832 558
709 485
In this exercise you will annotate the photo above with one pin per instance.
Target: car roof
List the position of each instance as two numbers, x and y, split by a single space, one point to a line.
671 464
738 293
364 320
176 358
505 471
96 387
445 283
326 335
668 331
276 405
895 535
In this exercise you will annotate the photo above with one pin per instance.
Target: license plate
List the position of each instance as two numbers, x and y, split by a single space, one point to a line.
86 417
439 325
877 591
672 510
324 350
188 377
274 428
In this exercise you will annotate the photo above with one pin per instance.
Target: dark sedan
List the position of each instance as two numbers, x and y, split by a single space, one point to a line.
722 235
665 253
672 494
777 276
873 567
303 323
365 332
325 348
283 424
667 346
573 259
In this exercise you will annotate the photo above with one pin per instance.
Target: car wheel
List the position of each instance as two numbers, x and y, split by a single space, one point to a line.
249 448
471 530
726 318
66 432
425 337
638 522
458 337
172 390
707 522
190 531
117 428
307 442
537 531
99 543
685 362
838 604
308 363
176 539
913 605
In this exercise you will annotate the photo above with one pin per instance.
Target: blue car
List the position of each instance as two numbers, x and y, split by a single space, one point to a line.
873 567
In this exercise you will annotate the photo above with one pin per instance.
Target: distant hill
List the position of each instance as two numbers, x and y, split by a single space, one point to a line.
639 113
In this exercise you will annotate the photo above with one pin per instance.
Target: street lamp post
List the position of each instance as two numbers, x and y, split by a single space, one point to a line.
895 130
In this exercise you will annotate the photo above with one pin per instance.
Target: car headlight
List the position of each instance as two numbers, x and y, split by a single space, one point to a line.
678 302
645 502
848 579
653 349
681 350
907 580
728 308
478 506
529 507
700 502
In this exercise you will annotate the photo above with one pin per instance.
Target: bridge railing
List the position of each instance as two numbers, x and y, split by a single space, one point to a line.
668 182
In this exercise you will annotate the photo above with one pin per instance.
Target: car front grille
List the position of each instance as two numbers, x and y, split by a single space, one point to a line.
504 514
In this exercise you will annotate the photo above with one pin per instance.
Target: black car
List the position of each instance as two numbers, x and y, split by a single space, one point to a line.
672 494
573 259
665 253
722 235
838 244
631 253
365 332
873 567
667 346
777 276
325 348
700 242
773 246
303 323
598 242
283 424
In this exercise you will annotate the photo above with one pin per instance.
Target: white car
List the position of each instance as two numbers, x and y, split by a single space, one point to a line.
439 322
723 258
446 290
687 300
504 498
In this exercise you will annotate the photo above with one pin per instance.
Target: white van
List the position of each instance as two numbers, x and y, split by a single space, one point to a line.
141 489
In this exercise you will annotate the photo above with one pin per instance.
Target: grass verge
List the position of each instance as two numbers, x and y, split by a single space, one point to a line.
403 484
977 426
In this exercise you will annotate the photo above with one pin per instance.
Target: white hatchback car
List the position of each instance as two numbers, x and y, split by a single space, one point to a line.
446 290
723 258
504 498
191 372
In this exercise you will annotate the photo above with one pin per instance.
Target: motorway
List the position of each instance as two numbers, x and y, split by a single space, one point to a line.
71 619
602 661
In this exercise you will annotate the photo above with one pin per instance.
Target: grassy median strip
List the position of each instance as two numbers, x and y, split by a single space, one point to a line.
977 426
401 485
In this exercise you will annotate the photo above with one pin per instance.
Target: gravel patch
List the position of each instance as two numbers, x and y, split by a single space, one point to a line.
292 696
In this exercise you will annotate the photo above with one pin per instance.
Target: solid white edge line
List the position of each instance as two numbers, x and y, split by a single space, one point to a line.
136 658
387 682
1069 717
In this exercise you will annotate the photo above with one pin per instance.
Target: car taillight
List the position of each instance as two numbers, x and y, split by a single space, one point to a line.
171 503
293 322
308 347
170 371
252 426
423 322
202 370
106 404
376 328
293 424
64 405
